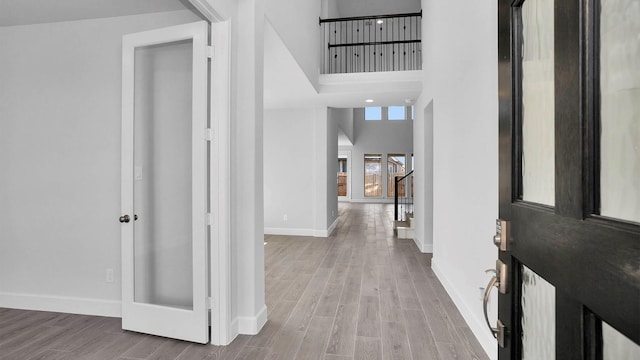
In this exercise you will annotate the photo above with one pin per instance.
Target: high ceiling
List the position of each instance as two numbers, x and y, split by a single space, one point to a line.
348 8
25 12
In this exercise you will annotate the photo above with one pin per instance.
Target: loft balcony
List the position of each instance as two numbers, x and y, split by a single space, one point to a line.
372 43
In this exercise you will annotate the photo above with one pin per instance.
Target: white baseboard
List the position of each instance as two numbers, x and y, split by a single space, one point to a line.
477 325
289 231
251 325
329 231
63 304
302 232
424 248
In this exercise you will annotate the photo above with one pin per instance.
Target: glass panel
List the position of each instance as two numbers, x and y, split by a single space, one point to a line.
395 170
538 174
620 109
616 346
372 175
396 113
162 175
342 177
373 113
538 317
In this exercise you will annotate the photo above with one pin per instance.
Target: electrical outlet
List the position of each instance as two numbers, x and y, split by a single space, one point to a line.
285 218
109 275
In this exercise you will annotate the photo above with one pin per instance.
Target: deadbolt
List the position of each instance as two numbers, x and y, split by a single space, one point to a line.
125 219
501 239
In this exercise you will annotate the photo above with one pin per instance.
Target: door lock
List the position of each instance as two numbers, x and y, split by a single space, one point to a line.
501 238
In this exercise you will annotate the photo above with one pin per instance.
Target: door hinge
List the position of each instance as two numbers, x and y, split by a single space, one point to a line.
211 220
208 134
210 52
209 303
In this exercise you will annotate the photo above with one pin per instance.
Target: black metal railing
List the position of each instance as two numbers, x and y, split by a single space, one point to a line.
372 43
403 203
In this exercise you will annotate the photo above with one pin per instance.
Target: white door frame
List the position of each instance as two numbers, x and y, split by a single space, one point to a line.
222 332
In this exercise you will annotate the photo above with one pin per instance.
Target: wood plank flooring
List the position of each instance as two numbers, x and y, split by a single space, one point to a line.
359 294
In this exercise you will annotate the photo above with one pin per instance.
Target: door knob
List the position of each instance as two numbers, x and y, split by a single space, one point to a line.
125 219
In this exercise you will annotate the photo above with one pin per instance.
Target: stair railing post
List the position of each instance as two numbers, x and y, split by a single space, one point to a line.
395 197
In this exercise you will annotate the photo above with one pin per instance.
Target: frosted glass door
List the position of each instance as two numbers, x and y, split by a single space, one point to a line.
538 118
164 182
538 317
620 109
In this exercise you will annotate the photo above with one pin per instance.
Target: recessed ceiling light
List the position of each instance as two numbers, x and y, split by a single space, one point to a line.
380 21
369 100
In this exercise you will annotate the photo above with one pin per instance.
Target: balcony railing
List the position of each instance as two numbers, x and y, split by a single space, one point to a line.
372 43
403 202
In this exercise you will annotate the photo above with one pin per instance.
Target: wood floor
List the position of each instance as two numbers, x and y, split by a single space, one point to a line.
360 294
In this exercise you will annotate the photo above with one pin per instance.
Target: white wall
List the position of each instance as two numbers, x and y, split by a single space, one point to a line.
300 146
344 119
461 80
423 176
296 22
330 9
289 170
60 161
248 309
376 137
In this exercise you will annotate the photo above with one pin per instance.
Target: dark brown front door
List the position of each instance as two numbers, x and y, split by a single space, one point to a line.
569 89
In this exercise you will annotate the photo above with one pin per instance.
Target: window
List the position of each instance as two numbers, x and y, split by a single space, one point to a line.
412 113
396 170
372 175
396 113
373 113
342 177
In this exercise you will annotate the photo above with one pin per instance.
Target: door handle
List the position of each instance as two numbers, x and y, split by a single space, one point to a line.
125 219
498 281
494 282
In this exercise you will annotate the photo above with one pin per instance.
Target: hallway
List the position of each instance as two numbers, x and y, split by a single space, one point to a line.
359 294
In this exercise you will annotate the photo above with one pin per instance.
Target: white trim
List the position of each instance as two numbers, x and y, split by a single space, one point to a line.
332 227
251 325
206 10
222 328
289 231
477 326
302 232
63 304
424 248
